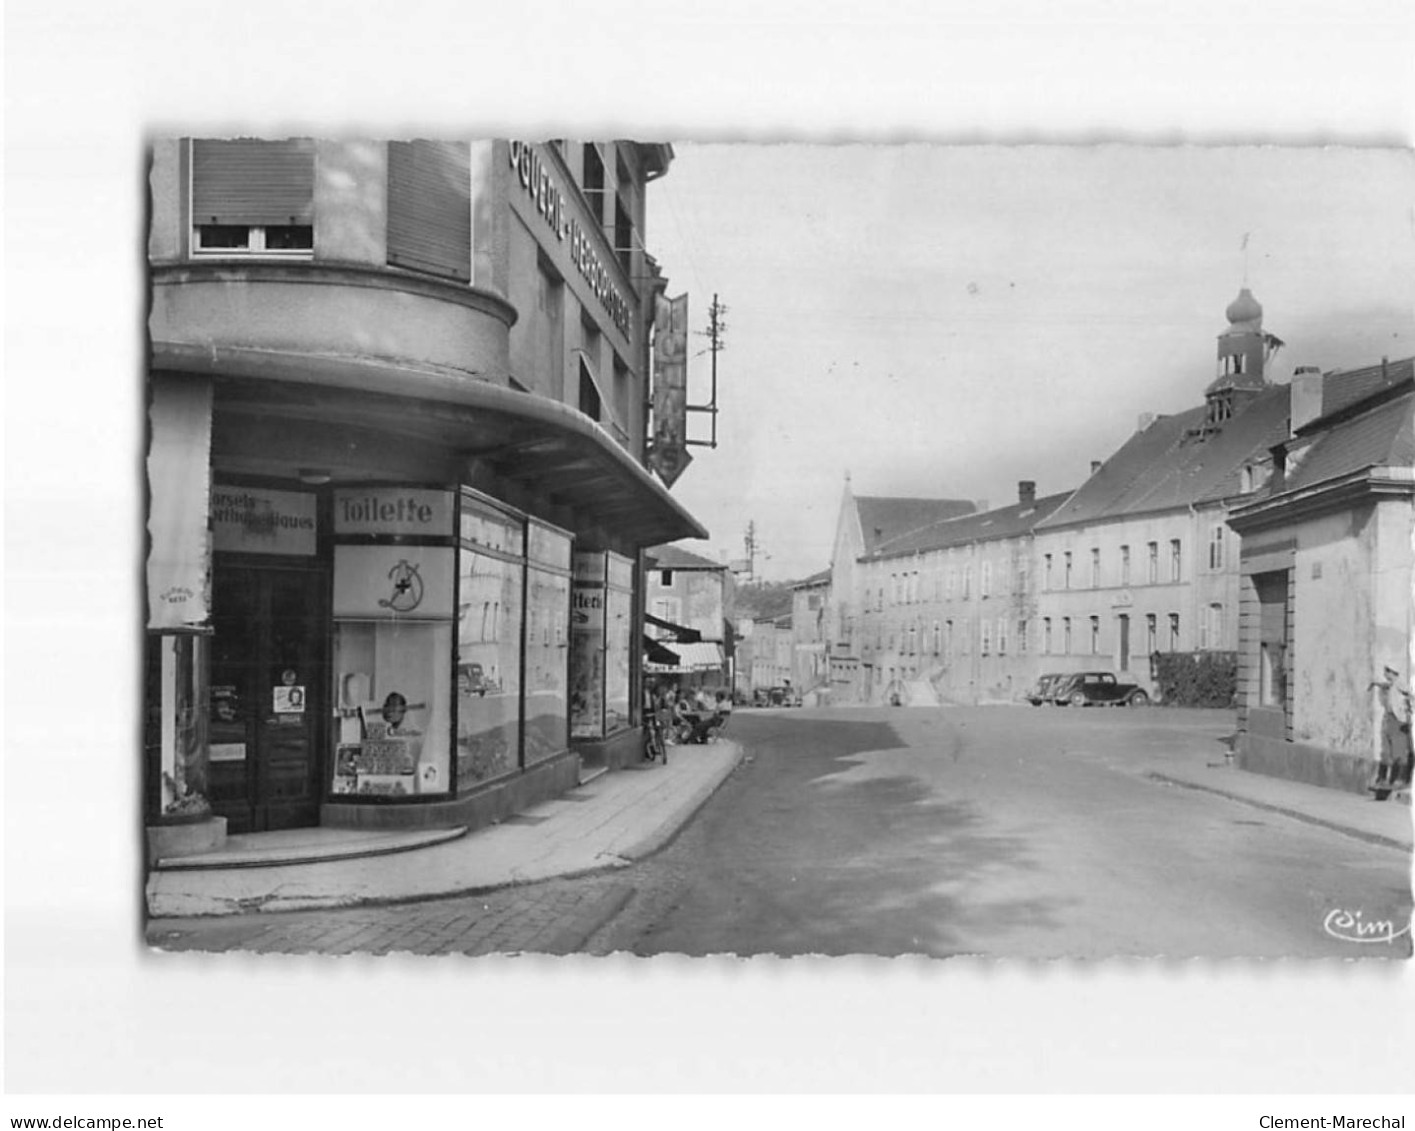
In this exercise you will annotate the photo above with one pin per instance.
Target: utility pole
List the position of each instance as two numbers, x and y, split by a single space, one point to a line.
750 543
715 332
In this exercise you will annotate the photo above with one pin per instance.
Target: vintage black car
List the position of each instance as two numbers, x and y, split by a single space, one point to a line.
1085 689
1043 690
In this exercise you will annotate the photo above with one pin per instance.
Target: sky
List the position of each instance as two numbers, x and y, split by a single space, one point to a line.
946 320
1094 298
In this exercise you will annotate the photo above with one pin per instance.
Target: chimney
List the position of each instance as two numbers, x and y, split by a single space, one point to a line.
1095 466
1027 492
1306 394
1146 419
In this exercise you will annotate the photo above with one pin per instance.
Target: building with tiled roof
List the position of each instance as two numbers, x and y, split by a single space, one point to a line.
1325 554
1140 559
810 603
865 522
949 609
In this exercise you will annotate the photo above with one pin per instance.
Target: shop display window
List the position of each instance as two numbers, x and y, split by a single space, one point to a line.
393 708
547 641
547 664
488 667
618 633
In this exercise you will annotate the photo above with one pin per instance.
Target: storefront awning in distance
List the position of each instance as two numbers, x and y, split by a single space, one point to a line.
548 447
701 657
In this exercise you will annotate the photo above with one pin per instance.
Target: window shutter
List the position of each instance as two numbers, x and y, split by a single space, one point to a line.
253 182
429 207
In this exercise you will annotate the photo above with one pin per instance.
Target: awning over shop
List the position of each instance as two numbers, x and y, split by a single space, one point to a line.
701 657
655 653
542 445
678 631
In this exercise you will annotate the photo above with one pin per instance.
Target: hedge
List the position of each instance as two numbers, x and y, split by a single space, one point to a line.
1196 679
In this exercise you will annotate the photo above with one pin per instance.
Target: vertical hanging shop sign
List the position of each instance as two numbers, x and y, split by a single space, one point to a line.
179 490
668 454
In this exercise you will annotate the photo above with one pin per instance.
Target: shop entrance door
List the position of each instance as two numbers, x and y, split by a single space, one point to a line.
267 693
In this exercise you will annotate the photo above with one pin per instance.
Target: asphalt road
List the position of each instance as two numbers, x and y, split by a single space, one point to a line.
1005 832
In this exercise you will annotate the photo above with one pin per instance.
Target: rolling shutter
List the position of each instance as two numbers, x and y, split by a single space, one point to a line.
429 207
253 182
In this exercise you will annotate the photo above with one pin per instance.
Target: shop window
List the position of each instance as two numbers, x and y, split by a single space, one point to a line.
490 650
429 207
547 649
395 713
253 198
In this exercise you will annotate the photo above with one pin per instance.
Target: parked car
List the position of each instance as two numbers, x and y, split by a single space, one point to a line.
472 680
1084 689
1044 689
776 697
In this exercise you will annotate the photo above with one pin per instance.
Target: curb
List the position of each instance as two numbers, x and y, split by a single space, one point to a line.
1295 814
670 828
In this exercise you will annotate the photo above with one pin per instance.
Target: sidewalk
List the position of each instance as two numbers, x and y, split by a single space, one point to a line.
609 822
1205 765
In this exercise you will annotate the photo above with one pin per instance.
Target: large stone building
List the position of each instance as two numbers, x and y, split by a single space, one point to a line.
396 401
952 610
863 524
1327 611
1138 560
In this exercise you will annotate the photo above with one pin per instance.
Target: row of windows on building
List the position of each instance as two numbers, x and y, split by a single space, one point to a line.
1062 636
257 198
914 587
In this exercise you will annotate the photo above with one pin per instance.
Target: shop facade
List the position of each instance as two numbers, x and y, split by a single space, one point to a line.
398 499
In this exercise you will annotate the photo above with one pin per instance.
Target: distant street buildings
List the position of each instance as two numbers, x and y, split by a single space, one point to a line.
938 600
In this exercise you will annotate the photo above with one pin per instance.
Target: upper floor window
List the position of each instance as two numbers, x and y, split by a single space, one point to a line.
985 580
1046 571
1174 559
429 207
1174 632
1095 636
967 582
1124 565
592 181
253 198
1066 570
1216 547
1095 567
1154 575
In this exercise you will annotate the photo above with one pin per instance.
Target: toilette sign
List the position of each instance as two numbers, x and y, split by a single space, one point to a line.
393 510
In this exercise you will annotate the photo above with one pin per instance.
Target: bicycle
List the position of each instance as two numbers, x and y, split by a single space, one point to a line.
655 741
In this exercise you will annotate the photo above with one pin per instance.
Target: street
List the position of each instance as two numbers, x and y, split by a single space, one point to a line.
995 831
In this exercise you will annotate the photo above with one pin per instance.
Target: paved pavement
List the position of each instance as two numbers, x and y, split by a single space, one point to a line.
606 823
511 888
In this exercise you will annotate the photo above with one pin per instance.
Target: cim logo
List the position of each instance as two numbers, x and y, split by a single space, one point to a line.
407 592
1352 926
